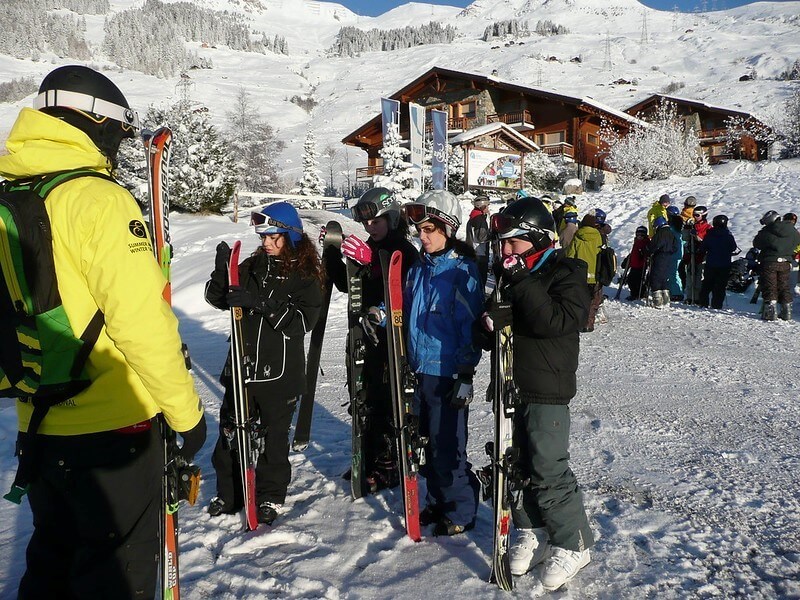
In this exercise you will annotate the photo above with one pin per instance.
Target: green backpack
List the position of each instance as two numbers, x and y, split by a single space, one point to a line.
40 356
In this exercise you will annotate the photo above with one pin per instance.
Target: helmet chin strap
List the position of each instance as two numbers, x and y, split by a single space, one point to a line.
531 256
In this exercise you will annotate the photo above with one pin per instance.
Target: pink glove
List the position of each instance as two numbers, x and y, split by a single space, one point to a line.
354 249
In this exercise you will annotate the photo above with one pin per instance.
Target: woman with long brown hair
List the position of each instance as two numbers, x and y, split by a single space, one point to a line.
281 293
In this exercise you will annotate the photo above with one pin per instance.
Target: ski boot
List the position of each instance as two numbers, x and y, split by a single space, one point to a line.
769 310
218 507
786 312
446 527
267 512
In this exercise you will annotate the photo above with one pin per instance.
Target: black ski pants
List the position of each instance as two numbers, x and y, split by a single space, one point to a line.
552 499
95 506
635 284
273 469
715 282
774 282
380 446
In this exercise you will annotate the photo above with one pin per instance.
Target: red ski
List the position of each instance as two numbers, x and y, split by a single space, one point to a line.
248 453
401 379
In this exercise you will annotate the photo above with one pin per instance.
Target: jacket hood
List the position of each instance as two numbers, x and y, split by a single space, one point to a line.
39 143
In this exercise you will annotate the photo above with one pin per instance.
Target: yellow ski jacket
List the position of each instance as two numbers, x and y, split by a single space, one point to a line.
104 259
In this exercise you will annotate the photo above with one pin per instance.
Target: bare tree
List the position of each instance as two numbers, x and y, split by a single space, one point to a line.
346 172
331 157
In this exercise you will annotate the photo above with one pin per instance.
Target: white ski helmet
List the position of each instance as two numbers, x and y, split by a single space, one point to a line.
440 205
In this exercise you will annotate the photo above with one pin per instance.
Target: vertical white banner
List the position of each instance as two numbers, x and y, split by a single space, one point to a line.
416 115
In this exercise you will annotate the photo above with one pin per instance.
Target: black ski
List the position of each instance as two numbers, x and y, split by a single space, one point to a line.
502 453
302 430
356 351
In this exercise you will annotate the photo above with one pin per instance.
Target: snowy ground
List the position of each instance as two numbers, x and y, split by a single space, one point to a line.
685 440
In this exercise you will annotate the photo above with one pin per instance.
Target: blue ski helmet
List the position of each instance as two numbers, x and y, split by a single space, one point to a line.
280 217
659 222
673 210
600 216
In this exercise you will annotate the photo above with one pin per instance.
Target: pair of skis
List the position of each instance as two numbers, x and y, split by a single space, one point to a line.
401 380
157 146
502 454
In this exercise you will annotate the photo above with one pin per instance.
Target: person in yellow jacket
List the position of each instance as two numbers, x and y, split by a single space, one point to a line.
95 489
659 209
586 245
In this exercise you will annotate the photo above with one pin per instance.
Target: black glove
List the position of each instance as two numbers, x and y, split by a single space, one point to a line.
374 318
497 316
222 258
240 297
514 268
193 440
462 389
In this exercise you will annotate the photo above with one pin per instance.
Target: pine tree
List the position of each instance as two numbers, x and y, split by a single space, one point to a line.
398 173
202 176
254 145
311 183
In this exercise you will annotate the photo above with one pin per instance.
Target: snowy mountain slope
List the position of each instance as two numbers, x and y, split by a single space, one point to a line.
684 439
706 53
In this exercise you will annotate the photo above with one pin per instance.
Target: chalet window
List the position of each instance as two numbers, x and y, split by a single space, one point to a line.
548 139
592 139
465 109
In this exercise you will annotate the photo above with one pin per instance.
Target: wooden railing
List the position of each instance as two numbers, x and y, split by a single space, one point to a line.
367 173
518 116
712 134
559 149
456 123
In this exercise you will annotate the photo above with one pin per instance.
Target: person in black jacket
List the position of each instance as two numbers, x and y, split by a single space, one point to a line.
478 235
777 242
379 213
549 301
281 293
718 246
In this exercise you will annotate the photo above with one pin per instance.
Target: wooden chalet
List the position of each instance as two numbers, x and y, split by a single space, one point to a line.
562 126
711 124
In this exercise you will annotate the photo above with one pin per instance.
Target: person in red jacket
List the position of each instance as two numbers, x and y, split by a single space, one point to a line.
637 261
694 231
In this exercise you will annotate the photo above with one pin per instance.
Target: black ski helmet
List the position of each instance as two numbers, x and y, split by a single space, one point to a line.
377 202
91 102
770 217
641 230
790 216
720 221
700 212
526 218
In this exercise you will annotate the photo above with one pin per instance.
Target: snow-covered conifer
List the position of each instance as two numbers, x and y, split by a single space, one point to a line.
311 182
398 173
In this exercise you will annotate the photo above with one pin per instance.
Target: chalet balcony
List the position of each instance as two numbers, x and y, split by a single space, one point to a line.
521 120
712 135
367 173
455 125
561 149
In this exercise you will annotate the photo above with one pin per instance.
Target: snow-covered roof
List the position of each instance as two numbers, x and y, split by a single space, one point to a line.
588 100
489 129
693 102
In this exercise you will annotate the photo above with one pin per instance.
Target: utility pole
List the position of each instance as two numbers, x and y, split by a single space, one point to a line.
607 65
645 36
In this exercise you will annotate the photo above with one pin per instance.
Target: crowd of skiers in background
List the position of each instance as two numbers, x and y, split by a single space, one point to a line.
680 256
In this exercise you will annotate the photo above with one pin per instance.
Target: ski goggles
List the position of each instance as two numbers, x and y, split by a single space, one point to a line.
419 213
266 225
504 226
364 211
86 103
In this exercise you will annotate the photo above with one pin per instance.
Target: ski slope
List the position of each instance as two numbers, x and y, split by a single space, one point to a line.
684 438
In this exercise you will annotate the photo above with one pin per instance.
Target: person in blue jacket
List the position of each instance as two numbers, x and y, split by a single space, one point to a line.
718 246
676 228
443 298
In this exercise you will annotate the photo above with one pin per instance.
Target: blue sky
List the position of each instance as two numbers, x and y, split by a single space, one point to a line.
376 7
